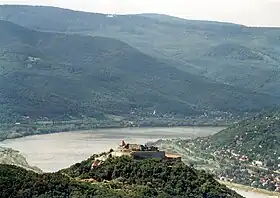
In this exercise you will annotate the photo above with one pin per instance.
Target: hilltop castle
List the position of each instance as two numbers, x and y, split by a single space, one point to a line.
138 152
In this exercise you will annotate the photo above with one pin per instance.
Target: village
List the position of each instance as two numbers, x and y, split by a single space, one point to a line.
260 174
228 165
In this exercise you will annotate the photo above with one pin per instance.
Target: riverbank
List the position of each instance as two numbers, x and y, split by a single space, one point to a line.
13 157
52 152
192 152
256 191
18 130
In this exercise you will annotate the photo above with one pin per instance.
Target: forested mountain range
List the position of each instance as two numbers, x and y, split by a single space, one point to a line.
54 74
230 53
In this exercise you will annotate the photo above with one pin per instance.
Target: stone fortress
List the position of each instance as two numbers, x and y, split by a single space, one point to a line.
138 152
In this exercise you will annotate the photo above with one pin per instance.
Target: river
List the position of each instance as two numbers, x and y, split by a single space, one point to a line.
250 194
52 152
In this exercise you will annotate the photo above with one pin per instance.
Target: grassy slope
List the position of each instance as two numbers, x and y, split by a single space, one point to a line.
51 74
234 54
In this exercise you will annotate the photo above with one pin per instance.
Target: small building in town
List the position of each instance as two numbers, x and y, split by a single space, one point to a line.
257 163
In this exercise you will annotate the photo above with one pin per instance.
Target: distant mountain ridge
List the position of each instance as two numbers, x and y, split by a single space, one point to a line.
52 74
188 45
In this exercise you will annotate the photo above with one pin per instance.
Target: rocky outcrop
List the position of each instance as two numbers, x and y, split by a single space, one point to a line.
13 157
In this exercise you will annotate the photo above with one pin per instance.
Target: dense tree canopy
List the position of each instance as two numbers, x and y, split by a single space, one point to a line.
257 136
161 178
124 178
229 53
53 75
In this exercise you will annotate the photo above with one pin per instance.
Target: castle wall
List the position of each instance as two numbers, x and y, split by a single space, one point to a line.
120 153
148 154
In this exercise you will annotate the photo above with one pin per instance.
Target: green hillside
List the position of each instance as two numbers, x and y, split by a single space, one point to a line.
246 153
53 75
257 137
148 178
163 179
229 53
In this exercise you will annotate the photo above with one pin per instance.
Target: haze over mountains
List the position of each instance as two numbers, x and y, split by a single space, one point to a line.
50 74
158 62
229 53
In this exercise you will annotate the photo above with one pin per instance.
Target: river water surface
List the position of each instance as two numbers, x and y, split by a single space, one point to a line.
52 152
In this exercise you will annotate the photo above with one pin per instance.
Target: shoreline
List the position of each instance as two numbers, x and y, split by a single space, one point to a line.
117 127
233 186
236 186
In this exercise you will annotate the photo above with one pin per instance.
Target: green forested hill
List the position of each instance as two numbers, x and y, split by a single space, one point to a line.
148 178
244 153
51 75
177 180
229 53
257 137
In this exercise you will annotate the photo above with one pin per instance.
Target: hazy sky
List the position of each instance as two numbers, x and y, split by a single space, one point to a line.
247 12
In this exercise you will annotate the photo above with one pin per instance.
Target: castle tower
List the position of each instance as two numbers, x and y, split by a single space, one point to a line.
122 144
